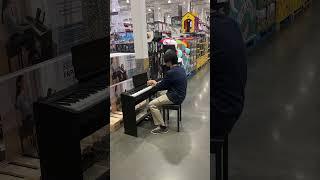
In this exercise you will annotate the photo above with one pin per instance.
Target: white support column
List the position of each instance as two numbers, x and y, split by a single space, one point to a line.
138 12
189 5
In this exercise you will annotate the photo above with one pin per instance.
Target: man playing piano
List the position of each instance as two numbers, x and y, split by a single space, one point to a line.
175 82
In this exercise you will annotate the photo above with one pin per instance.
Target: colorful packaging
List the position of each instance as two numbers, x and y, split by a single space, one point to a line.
261 19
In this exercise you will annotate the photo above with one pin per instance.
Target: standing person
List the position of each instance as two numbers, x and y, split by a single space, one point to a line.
229 72
24 104
114 70
175 82
122 73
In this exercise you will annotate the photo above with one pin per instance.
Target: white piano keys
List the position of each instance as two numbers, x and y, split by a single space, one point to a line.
142 91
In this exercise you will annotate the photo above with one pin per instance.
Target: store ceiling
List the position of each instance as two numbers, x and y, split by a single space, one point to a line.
170 8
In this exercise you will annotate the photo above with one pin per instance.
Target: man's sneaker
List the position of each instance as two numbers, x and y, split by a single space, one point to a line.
159 130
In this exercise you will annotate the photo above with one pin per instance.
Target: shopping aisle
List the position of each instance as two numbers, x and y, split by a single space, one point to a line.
178 156
278 136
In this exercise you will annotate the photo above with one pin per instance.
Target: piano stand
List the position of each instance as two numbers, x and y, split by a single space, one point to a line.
129 100
129 117
130 122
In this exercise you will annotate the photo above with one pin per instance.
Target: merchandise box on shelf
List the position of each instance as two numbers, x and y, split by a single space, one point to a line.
202 60
271 14
284 9
244 12
261 19
265 14
191 59
297 4
261 4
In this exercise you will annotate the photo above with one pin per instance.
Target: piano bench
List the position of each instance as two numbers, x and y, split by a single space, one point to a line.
176 107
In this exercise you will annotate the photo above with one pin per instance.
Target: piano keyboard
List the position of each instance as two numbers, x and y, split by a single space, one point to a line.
142 91
85 97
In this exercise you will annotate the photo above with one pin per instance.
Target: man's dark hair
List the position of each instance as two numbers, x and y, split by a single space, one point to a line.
170 56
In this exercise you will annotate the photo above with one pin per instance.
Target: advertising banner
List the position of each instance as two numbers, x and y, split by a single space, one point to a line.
19 91
123 66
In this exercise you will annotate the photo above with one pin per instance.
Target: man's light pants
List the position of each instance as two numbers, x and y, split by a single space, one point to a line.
155 106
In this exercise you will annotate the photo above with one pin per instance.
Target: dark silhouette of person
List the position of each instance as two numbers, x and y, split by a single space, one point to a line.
24 104
229 72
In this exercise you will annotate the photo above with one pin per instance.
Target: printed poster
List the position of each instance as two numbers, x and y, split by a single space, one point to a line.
19 91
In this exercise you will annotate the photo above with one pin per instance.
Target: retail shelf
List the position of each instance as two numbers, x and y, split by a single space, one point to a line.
285 22
251 42
263 35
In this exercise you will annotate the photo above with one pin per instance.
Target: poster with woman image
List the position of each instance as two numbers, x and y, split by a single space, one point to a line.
122 67
115 93
18 92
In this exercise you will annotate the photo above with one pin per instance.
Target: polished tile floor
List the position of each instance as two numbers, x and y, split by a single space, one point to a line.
278 136
173 156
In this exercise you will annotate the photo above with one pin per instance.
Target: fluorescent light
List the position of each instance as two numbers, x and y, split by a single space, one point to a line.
128 1
169 1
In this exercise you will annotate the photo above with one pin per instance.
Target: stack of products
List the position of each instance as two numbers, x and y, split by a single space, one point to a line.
266 11
284 9
155 57
244 12
297 4
122 42
271 13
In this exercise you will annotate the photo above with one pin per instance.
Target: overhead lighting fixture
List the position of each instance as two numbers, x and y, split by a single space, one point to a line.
169 1
149 10
159 8
128 1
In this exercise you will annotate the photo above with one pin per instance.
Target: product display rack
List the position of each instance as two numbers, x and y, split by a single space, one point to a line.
155 59
266 14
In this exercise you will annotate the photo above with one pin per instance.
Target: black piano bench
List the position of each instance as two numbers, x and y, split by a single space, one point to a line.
168 107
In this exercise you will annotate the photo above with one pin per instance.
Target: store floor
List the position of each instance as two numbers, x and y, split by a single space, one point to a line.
278 136
174 156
